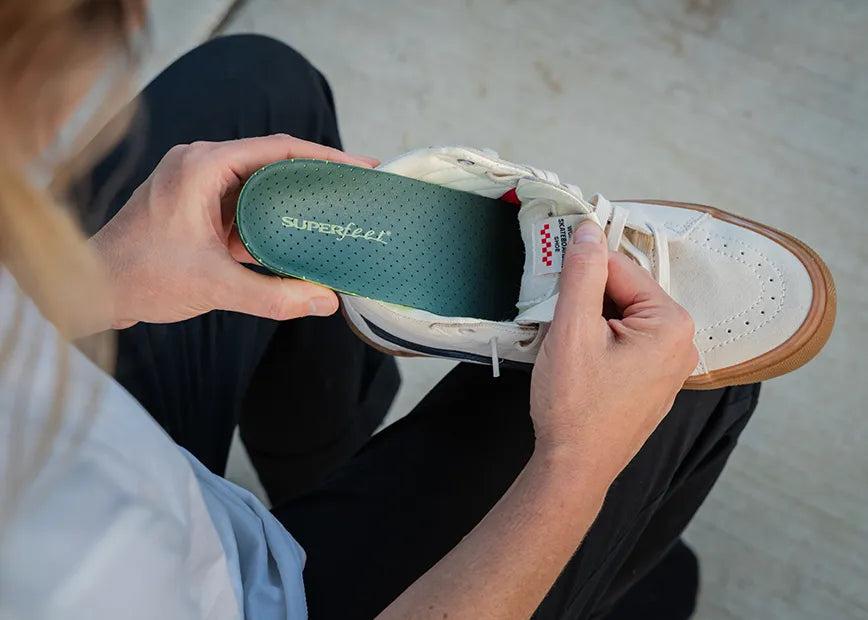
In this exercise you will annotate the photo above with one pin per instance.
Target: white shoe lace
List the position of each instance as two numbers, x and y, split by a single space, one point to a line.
616 217
495 358
606 211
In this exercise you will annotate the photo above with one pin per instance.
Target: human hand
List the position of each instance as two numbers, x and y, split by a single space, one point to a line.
600 387
173 253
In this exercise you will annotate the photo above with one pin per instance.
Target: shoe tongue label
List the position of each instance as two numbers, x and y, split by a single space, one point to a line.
550 243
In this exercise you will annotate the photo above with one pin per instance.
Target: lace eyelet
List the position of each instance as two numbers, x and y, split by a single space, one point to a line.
524 345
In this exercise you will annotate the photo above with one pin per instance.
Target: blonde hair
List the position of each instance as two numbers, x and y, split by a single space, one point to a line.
51 52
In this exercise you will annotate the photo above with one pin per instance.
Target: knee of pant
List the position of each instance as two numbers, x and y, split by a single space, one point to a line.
267 61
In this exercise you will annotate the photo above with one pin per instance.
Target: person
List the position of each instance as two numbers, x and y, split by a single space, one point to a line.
557 494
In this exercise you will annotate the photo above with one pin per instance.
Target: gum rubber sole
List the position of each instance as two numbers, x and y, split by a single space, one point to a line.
797 350
385 237
806 342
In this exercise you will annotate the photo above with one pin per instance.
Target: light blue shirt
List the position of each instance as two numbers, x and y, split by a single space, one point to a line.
265 561
118 521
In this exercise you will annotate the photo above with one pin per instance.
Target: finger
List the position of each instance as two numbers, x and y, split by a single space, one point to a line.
369 162
271 297
246 156
630 285
238 251
583 279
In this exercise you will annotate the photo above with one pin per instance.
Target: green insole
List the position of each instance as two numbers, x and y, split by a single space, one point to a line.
385 237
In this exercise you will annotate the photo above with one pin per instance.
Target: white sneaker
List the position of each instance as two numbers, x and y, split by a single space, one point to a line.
763 303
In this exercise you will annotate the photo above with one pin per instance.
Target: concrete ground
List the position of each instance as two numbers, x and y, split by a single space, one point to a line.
756 106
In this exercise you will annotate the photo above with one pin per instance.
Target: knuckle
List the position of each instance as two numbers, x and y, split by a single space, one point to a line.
192 156
682 323
276 310
177 151
686 321
692 358
282 308
198 149
677 332
199 146
175 157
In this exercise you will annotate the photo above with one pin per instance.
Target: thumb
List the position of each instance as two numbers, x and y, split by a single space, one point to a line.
272 297
583 278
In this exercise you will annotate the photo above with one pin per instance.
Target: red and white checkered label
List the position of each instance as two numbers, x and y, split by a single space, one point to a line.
553 235
545 234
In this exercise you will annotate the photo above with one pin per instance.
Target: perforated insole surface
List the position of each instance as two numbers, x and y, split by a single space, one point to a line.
385 237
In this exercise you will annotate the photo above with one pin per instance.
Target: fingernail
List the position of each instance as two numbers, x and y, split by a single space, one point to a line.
321 306
588 232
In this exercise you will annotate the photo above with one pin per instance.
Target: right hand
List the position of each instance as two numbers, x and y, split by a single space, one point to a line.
600 387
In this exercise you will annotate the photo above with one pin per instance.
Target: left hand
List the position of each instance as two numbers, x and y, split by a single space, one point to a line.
173 253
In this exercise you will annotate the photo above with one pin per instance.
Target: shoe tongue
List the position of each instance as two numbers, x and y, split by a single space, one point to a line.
547 219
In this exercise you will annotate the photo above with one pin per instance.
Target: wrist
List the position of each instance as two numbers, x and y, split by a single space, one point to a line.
101 244
568 469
